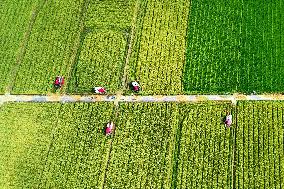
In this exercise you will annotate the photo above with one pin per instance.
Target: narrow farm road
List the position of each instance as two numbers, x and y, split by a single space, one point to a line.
121 98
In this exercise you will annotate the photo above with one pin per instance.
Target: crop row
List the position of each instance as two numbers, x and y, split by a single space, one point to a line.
24 140
54 145
259 143
228 47
101 58
100 63
142 149
205 148
78 150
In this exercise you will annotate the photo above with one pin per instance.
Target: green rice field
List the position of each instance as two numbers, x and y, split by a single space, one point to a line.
179 145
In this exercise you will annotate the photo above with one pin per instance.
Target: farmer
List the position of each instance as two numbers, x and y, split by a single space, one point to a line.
228 120
135 86
59 81
100 90
109 128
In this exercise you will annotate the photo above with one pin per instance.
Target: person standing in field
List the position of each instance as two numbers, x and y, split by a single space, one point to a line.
228 120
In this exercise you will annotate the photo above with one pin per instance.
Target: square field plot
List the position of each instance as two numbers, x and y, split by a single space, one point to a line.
158 49
167 145
143 146
235 46
53 145
103 46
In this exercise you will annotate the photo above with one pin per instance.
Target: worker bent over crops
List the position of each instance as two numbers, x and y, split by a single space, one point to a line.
109 128
59 81
134 85
228 120
99 90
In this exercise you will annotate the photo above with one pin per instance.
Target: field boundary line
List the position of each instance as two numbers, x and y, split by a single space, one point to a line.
23 45
77 45
234 163
121 98
129 49
108 156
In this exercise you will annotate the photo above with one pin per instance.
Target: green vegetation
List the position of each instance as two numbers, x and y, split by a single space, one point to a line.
234 46
260 144
79 148
15 18
25 131
101 58
50 145
50 48
155 145
205 148
159 47
143 145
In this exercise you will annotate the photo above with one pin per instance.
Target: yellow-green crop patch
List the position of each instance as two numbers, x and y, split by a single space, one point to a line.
104 42
166 145
159 48
50 46
204 149
260 145
25 132
100 62
53 145
143 145
15 17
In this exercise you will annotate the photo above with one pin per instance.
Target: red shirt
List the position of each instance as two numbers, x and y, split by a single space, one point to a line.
101 90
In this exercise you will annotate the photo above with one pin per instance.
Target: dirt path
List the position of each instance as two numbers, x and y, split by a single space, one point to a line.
121 98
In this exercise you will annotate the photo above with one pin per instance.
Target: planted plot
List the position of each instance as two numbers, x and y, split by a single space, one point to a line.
259 142
78 151
143 145
234 47
104 44
100 62
51 44
53 145
112 14
25 131
159 47
15 18
203 154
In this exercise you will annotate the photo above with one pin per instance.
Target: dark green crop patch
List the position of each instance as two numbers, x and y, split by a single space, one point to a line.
235 46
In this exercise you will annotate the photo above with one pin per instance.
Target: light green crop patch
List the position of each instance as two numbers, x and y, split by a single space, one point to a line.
159 47
104 42
25 131
259 143
142 149
15 17
53 145
50 47
204 149
100 62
